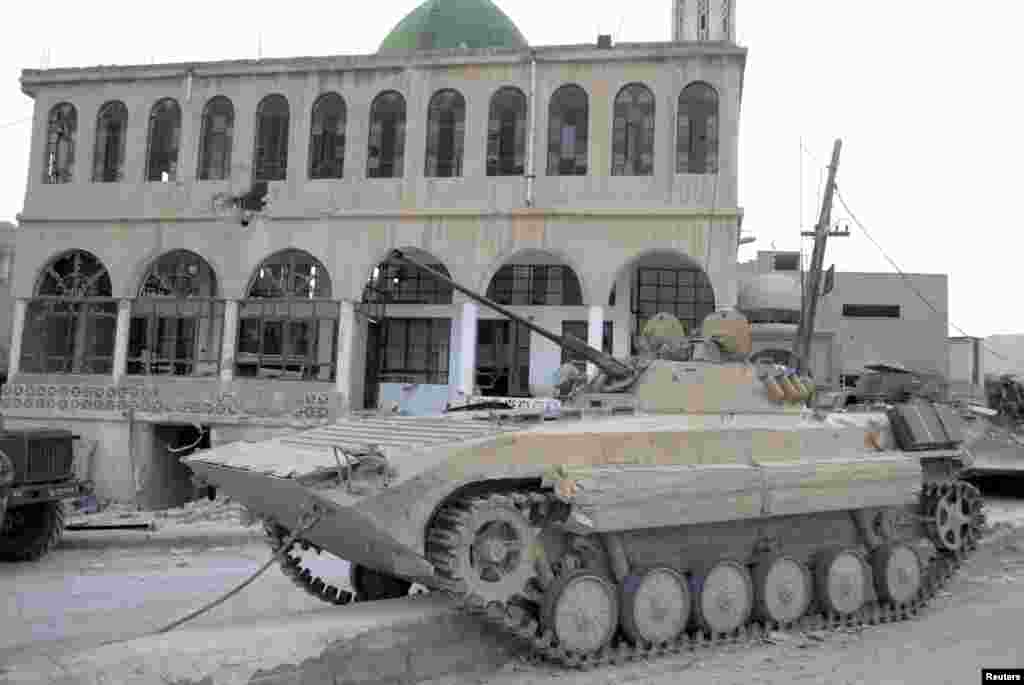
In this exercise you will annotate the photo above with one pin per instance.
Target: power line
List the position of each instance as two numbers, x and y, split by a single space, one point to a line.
16 122
906 279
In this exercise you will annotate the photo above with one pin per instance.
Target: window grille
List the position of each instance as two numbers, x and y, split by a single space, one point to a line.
633 132
535 284
697 130
567 132
62 126
506 133
446 132
216 140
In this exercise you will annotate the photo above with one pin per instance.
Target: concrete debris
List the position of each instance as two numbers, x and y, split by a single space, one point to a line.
222 510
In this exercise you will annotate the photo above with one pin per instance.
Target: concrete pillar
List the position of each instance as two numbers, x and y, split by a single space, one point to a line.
346 341
17 331
229 336
124 320
467 348
595 330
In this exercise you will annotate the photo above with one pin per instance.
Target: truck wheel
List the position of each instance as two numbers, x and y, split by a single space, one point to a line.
31 531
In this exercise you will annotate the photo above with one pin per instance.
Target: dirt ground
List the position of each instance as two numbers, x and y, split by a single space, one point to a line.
976 622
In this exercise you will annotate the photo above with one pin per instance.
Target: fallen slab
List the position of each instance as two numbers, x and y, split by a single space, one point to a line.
394 642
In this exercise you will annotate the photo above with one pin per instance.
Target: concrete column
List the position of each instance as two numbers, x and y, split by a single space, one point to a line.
346 341
229 335
17 332
124 320
595 330
467 348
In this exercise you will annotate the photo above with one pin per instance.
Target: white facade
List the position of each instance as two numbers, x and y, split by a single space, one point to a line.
185 313
866 318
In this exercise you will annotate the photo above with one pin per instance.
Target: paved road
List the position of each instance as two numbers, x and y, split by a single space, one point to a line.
88 591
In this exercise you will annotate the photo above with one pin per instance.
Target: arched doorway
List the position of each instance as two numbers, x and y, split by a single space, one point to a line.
288 323
662 281
407 343
176 322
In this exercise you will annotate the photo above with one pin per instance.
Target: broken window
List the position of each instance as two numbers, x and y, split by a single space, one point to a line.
215 140
506 133
270 158
567 132
71 322
697 134
288 325
633 132
164 132
111 127
535 284
386 154
327 137
685 293
396 283
415 351
176 324
61 127
446 132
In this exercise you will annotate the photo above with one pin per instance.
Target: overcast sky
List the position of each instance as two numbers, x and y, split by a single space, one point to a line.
922 94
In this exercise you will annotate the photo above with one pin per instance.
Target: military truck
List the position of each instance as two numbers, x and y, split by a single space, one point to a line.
36 477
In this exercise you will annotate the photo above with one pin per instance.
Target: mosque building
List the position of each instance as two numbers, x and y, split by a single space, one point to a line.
202 256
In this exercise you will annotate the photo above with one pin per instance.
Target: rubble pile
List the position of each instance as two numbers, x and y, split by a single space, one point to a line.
219 510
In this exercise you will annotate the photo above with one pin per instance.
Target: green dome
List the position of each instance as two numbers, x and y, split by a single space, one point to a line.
443 24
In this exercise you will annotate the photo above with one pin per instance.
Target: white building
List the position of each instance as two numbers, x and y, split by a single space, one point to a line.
585 186
866 318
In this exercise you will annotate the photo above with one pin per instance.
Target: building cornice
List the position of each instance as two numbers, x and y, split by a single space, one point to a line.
32 79
414 214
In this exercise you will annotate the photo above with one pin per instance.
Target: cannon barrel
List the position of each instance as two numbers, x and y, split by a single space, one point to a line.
611 366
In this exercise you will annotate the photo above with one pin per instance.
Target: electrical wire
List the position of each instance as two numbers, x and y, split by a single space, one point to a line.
15 122
903 276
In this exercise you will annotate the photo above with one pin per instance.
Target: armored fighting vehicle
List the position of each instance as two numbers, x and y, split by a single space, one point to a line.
682 496
36 477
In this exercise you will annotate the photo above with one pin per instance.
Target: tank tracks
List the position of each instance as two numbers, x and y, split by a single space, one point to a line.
301 577
517 619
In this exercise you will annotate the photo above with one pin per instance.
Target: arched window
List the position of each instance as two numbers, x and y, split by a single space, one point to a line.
164 131
684 292
61 127
697 136
386 154
111 127
176 324
567 132
327 137
633 132
215 139
446 132
270 157
288 325
70 324
536 284
506 133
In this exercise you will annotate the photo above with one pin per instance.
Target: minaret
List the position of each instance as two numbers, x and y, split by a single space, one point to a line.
704 20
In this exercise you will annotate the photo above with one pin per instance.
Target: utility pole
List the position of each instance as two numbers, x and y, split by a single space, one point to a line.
805 331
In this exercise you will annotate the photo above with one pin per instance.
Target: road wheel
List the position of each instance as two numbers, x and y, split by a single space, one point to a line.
31 531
